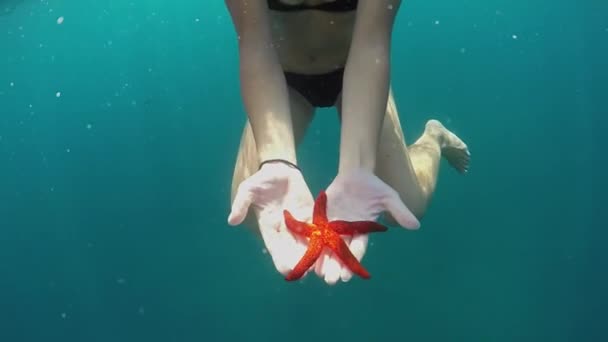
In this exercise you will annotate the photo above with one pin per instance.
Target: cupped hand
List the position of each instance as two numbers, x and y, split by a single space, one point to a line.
359 196
275 187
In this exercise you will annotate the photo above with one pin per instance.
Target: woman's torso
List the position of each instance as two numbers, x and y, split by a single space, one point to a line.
312 41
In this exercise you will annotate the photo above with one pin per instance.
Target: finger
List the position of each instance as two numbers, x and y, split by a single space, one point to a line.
319 265
287 250
404 217
295 246
269 238
332 269
345 273
291 251
358 246
240 205
278 248
300 248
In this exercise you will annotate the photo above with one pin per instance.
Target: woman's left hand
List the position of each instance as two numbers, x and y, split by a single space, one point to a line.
357 196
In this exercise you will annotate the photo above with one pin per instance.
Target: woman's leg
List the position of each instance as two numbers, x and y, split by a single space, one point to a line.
412 171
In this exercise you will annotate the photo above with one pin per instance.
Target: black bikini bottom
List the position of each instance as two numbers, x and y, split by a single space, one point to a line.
320 90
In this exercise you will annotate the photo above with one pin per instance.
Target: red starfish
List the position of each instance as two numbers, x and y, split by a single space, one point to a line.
324 233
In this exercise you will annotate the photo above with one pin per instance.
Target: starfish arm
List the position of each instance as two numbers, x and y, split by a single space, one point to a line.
357 227
340 248
315 246
295 226
319 213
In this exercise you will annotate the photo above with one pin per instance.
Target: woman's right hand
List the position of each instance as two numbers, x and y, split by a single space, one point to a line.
275 187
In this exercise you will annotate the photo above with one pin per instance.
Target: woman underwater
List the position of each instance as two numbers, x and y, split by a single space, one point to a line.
299 55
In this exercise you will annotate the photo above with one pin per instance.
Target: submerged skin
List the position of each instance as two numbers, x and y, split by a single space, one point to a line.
372 142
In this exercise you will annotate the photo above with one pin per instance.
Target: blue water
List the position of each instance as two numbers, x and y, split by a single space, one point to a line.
118 134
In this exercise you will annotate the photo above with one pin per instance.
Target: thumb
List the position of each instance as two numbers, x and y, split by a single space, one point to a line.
240 206
401 213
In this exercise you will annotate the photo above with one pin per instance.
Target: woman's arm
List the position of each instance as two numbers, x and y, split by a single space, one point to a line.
366 84
263 85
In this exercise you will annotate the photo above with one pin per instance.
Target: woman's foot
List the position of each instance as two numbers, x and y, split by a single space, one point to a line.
453 148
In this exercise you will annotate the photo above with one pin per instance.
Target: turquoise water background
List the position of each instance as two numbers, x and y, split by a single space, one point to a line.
118 135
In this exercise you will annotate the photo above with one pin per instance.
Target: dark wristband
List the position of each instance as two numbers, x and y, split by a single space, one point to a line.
286 162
